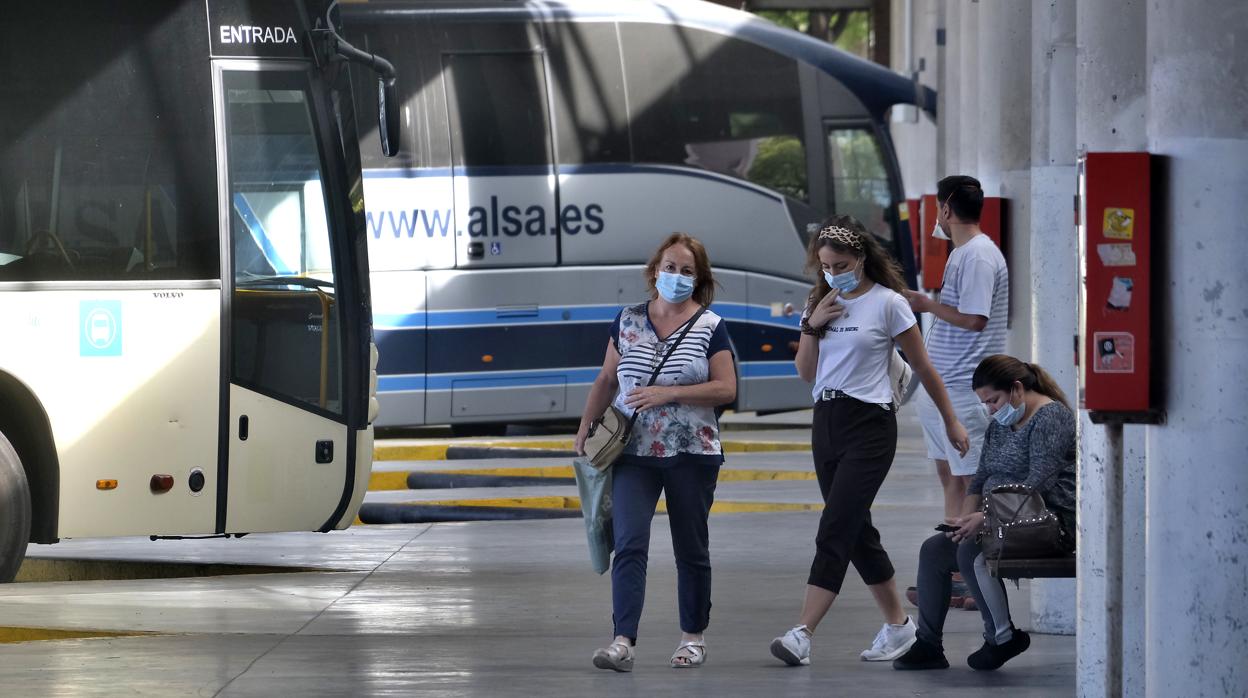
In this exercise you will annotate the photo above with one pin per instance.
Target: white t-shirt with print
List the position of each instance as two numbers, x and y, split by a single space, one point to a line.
855 351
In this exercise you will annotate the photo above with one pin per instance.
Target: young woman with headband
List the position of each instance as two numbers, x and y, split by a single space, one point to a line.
854 316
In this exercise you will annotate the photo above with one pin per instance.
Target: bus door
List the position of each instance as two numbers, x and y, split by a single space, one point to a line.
287 435
859 184
504 180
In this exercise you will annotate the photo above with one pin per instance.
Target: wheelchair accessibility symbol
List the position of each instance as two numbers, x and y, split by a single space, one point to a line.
99 332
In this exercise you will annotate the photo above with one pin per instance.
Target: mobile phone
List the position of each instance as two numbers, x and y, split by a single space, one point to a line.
947 528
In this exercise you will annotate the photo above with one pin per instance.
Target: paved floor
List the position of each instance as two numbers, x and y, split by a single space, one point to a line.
492 609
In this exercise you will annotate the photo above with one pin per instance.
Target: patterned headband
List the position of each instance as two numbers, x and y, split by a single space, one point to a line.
844 236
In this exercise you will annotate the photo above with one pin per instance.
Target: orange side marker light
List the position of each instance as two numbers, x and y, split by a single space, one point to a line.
105 484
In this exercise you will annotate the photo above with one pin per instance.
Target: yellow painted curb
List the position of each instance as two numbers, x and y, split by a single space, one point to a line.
764 446
509 502
389 480
575 503
397 480
18 634
437 451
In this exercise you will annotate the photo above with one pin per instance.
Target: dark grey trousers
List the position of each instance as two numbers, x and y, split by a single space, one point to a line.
940 557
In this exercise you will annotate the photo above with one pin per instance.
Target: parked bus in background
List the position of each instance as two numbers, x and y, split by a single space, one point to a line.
549 146
183 279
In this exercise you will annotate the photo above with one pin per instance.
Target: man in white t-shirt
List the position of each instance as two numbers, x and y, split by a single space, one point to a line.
969 325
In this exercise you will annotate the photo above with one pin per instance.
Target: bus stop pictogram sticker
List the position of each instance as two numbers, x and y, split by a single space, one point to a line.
99 328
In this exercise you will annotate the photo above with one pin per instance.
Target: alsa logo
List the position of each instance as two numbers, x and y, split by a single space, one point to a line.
482 221
257 35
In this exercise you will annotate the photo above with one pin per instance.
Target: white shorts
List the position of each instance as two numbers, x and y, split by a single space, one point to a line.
973 415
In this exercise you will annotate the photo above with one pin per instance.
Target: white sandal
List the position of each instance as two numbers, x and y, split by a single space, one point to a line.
617 657
693 652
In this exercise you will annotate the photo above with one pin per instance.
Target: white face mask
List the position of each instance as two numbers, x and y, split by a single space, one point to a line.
938 230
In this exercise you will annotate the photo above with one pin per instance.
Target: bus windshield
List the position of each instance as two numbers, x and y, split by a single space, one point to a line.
277 195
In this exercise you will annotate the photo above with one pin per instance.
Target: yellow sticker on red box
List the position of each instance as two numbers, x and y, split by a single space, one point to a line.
1119 223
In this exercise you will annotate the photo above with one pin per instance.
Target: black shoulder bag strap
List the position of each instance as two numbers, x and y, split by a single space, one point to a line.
655 376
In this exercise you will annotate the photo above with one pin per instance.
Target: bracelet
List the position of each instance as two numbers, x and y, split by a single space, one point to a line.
813 332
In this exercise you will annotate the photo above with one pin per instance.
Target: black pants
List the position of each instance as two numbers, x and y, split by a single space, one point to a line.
853 444
938 558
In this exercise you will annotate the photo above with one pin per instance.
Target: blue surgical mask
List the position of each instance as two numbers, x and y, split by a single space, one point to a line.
675 288
846 282
1009 415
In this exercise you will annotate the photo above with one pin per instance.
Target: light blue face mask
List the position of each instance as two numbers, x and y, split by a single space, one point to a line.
675 288
1009 415
846 282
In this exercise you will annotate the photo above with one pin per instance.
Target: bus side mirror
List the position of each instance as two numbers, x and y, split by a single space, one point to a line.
388 117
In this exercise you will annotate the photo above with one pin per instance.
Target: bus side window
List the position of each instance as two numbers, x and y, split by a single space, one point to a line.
106 151
857 179
591 115
717 103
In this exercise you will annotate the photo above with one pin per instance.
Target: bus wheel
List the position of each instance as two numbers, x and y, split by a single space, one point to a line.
14 511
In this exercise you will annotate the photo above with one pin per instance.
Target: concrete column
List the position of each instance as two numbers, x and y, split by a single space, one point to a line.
1197 540
1111 101
1005 149
967 125
990 76
948 98
915 134
1050 284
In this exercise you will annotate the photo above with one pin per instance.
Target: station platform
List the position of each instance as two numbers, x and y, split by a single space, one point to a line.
487 608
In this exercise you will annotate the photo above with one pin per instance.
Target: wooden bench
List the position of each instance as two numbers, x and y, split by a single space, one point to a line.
1036 568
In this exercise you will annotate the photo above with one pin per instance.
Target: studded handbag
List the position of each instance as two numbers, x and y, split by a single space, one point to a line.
1017 525
609 434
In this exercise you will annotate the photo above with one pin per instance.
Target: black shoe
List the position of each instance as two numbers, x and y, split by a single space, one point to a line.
990 657
921 655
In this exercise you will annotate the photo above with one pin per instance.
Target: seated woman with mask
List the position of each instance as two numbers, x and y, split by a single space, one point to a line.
1031 441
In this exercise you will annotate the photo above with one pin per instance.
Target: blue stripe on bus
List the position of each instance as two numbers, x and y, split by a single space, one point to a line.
486 379
544 346
768 369
576 376
742 312
543 170
495 316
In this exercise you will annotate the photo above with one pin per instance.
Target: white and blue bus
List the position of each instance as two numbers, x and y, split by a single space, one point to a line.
548 148
183 279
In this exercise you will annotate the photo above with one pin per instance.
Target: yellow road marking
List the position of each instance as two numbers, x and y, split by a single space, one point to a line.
19 634
437 451
397 480
392 480
723 507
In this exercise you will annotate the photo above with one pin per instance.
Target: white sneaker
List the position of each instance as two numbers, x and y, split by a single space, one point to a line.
891 642
793 647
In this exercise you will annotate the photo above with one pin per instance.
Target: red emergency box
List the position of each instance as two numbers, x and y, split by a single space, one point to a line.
934 252
915 222
992 220
1116 234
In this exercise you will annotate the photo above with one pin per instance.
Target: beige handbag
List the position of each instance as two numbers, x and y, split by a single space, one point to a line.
901 378
608 435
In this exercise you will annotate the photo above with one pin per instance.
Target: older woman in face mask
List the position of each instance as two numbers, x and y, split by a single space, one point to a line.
674 448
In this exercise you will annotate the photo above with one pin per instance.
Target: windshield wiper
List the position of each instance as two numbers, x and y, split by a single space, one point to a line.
269 281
